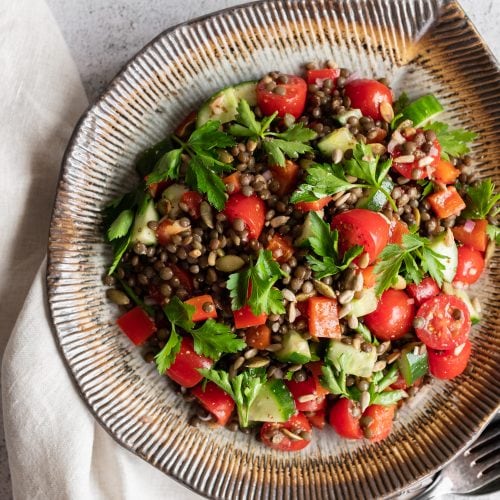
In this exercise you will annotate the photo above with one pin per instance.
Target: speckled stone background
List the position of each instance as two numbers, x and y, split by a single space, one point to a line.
104 34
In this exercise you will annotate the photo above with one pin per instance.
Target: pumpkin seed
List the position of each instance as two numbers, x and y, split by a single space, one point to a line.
229 263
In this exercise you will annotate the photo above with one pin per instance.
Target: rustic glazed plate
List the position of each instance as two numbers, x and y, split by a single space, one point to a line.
422 46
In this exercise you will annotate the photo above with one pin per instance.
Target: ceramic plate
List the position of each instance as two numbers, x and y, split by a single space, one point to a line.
422 46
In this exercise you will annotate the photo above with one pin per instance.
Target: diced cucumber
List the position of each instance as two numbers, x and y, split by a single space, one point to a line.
294 349
475 315
174 194
141 233
366 304
375 200
444 244
273 403
412 366
351 360
222 106
307 227
338 139
422 110
343 117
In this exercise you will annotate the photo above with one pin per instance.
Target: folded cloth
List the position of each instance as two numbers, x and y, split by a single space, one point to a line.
56 449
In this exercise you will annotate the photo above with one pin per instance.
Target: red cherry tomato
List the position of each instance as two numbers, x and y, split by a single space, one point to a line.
362 227
426 289
401 383
137 325
306 388
393 317
271 436
446 322
381 424
316 369
251 209
414 170
367 95
281 248
215 400
192 200
308 206
449 364
317 418
318 76
472 233
184 369
292 102
342 420
397 230
470 265
183 276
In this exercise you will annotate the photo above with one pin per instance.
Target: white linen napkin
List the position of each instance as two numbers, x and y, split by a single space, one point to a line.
56 449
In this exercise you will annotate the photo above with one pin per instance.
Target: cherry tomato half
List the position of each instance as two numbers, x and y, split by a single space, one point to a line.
381 424
251 209
367 95
343 421
361 227
308 206
414 169
215 400
449 364
318 76
286 176
445 322
470 265
306 388
292 100
393 317
271 435
426 289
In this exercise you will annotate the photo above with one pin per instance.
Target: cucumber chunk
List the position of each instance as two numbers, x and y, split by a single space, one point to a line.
338 139
294 349
375 200
412 366
273 403
444 244
348 358
366 304
222 106
422 110
307 228
141 233
174 194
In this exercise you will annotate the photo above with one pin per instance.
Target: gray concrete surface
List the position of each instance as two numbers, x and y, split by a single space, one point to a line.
104 34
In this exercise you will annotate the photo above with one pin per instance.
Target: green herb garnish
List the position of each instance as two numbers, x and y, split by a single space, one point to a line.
452 142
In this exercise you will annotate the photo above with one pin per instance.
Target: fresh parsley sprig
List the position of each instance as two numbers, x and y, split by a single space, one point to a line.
203 167
259 280
211 339
278 145
413 259
326 180
243 388
453 142
324 243
481 200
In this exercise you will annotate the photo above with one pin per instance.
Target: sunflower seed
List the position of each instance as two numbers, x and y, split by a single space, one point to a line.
386 112
393 357
306 398
257 363
352 322
292 312
291 435
379 365
342 199
364 400
346 296
404 159
345 310
364 260
400 283
337 155
288 295
273 347
278 221
251 353
378 149
304 296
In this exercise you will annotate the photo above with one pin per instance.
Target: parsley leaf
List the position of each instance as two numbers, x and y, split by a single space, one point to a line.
121 225
278 145
481 200
260 278
167 167
335 381
413 259
326 180
453 142
166 356
212 339
493 233
324 243
243 388
120 246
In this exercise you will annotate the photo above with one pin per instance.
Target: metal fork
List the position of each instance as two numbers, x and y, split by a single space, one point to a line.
473 470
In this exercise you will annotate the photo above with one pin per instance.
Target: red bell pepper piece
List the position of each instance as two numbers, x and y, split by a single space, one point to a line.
323 318
234 181
313 206
137 325
396 231
286 176
446 202
258 336
445 172
306 388
184 369
215 400
251 209
245 318
426 289
473 234
318 76
316 370
199 313
281 248
369 276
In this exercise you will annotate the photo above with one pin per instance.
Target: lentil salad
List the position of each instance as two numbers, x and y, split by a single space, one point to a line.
299 250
